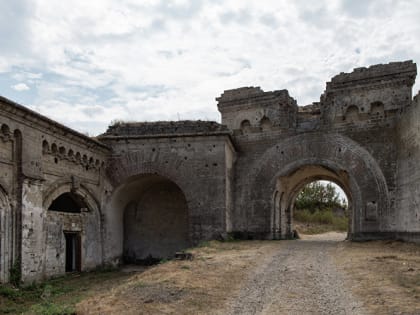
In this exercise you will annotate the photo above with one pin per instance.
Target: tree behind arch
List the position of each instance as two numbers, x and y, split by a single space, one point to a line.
319 196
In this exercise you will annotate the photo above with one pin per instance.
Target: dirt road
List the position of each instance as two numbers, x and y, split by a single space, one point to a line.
316 275
299 278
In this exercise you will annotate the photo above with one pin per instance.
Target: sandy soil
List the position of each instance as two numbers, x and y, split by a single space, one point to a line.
319 274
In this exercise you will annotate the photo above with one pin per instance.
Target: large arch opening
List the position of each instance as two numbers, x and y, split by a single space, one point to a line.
290 185
280 172
155 218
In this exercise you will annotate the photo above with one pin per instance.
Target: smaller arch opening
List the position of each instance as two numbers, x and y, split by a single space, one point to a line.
265 124
352 114
68 202
45 147
54 148
5 130
246 126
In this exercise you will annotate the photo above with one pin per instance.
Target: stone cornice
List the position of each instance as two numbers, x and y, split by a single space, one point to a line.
29 117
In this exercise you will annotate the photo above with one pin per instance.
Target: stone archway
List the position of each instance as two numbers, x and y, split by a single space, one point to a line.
289 185
277 176
83 226
153 212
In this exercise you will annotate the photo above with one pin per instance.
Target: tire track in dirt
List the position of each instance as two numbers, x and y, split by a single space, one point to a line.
298 278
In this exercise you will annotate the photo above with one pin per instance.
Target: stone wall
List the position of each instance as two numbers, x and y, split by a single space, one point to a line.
408 173
148 189
197 164
40 158
356 119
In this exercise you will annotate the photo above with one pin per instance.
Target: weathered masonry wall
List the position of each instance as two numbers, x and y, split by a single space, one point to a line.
40 158
408 173
146 190
194 156
351 131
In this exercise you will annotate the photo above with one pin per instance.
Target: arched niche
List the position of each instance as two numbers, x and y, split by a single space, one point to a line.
352 114
245 126
154 217
265 124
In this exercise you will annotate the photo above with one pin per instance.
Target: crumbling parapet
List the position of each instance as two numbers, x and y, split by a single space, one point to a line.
370 95
251 109
164 128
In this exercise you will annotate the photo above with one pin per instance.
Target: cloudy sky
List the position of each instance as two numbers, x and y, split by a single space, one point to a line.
86 63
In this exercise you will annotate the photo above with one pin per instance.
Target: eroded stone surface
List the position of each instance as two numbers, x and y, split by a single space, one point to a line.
150 189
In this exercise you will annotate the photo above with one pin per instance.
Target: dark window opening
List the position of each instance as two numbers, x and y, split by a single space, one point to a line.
68 202
73 251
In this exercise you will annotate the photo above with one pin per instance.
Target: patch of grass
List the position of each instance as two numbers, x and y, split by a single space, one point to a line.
10 292
185 267
315 229
106 268
163 261
55 296
203 244
326 220
49 308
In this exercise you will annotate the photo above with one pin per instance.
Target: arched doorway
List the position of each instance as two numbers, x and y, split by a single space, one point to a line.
73 240
277 176
155 218
67 208
288 187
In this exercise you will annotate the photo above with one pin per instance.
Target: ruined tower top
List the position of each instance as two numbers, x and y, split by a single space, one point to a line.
398 72
252 107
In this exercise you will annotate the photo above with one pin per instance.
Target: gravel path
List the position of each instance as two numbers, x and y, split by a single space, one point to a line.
298 278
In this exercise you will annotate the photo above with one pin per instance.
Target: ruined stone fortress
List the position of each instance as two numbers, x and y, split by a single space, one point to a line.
69 202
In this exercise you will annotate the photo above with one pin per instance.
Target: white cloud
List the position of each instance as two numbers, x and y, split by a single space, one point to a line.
20 87
100 60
